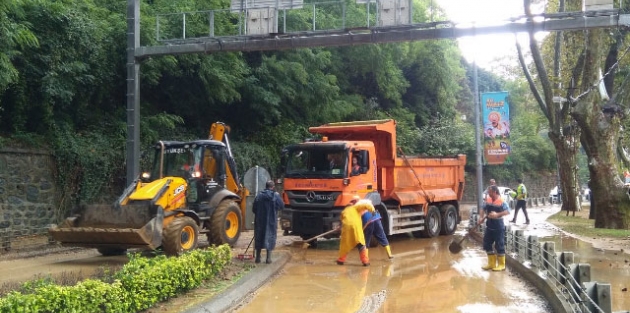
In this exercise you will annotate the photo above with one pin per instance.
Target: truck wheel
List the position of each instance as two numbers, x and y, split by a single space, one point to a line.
432 222
449 219
225 224
181 235
111 251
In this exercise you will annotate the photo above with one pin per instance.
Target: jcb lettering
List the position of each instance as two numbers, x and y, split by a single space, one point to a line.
179 190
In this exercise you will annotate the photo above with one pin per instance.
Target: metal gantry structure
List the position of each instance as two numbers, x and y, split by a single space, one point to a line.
263 26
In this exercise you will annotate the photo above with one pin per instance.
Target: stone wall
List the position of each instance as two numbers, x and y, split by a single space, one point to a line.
538 186
28 195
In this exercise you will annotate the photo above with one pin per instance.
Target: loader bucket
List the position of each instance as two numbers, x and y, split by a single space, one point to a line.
106 226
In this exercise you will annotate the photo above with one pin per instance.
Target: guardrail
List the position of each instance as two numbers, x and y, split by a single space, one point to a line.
29 238
565 284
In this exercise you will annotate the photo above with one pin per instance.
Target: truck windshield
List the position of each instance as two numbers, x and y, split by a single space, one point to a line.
316 163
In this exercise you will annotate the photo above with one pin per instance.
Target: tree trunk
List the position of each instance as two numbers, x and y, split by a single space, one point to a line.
612 205
600 127
567 162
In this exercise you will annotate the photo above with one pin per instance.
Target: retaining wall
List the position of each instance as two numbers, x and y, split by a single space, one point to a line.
28 195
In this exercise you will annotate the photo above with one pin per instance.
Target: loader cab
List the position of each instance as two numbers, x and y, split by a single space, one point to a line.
210 159
201 163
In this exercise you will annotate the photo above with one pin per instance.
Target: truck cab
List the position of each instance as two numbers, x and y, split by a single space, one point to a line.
320 179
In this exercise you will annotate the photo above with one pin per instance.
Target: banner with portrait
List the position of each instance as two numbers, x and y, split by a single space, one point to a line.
496 127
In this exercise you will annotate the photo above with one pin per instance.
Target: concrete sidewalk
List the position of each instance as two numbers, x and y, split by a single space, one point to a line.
234 296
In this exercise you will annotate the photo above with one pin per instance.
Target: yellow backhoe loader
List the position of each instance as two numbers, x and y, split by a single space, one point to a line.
192 188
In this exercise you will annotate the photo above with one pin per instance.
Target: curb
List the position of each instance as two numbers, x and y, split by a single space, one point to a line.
244 287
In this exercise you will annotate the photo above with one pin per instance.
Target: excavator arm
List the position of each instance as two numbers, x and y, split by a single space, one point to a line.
219 131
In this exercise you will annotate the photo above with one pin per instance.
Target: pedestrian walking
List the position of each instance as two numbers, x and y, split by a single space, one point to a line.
352 232
266 206
494 235
485 193
372 226
521 201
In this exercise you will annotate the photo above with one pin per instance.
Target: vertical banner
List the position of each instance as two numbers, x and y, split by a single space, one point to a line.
496 127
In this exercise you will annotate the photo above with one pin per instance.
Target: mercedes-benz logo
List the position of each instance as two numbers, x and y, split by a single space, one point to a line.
310 196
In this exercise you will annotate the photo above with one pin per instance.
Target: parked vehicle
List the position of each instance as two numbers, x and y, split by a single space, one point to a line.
192 188
554 196
412 194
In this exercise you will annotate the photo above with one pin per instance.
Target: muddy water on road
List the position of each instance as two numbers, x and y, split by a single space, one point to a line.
607 266
423 277
82 264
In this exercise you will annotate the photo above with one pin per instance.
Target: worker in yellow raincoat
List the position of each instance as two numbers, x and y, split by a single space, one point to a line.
352 231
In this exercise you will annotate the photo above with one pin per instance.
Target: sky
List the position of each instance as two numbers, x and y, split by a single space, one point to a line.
484 49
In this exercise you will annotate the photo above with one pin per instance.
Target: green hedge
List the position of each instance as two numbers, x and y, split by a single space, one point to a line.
140 284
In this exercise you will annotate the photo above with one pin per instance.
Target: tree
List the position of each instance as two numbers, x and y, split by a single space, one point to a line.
561 132
14 34
584 117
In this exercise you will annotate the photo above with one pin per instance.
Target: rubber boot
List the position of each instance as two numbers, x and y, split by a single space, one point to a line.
492 262
389 252
268 261
257 255
363 254
501 263
341 260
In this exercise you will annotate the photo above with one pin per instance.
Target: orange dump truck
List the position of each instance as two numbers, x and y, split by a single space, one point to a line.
413 194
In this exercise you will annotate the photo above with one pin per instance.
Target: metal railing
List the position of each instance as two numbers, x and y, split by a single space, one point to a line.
322 17
23 239
570 282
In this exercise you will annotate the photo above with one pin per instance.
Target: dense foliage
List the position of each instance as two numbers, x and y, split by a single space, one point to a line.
63 79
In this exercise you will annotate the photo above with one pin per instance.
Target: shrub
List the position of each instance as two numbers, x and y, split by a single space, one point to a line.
140 284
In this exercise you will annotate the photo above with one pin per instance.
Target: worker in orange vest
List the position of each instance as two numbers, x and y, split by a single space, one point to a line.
494 234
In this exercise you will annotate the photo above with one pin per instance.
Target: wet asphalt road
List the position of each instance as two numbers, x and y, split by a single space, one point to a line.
423 277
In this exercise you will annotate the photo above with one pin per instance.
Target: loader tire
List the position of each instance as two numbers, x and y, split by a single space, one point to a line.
111 251
180 236
225 224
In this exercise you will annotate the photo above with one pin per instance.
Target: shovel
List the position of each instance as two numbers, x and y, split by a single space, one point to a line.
305 243
456 246
246 256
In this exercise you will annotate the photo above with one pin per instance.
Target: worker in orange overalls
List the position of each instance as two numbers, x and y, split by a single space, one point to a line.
352 231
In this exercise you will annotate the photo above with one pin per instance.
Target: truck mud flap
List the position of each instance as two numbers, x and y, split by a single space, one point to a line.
129 226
